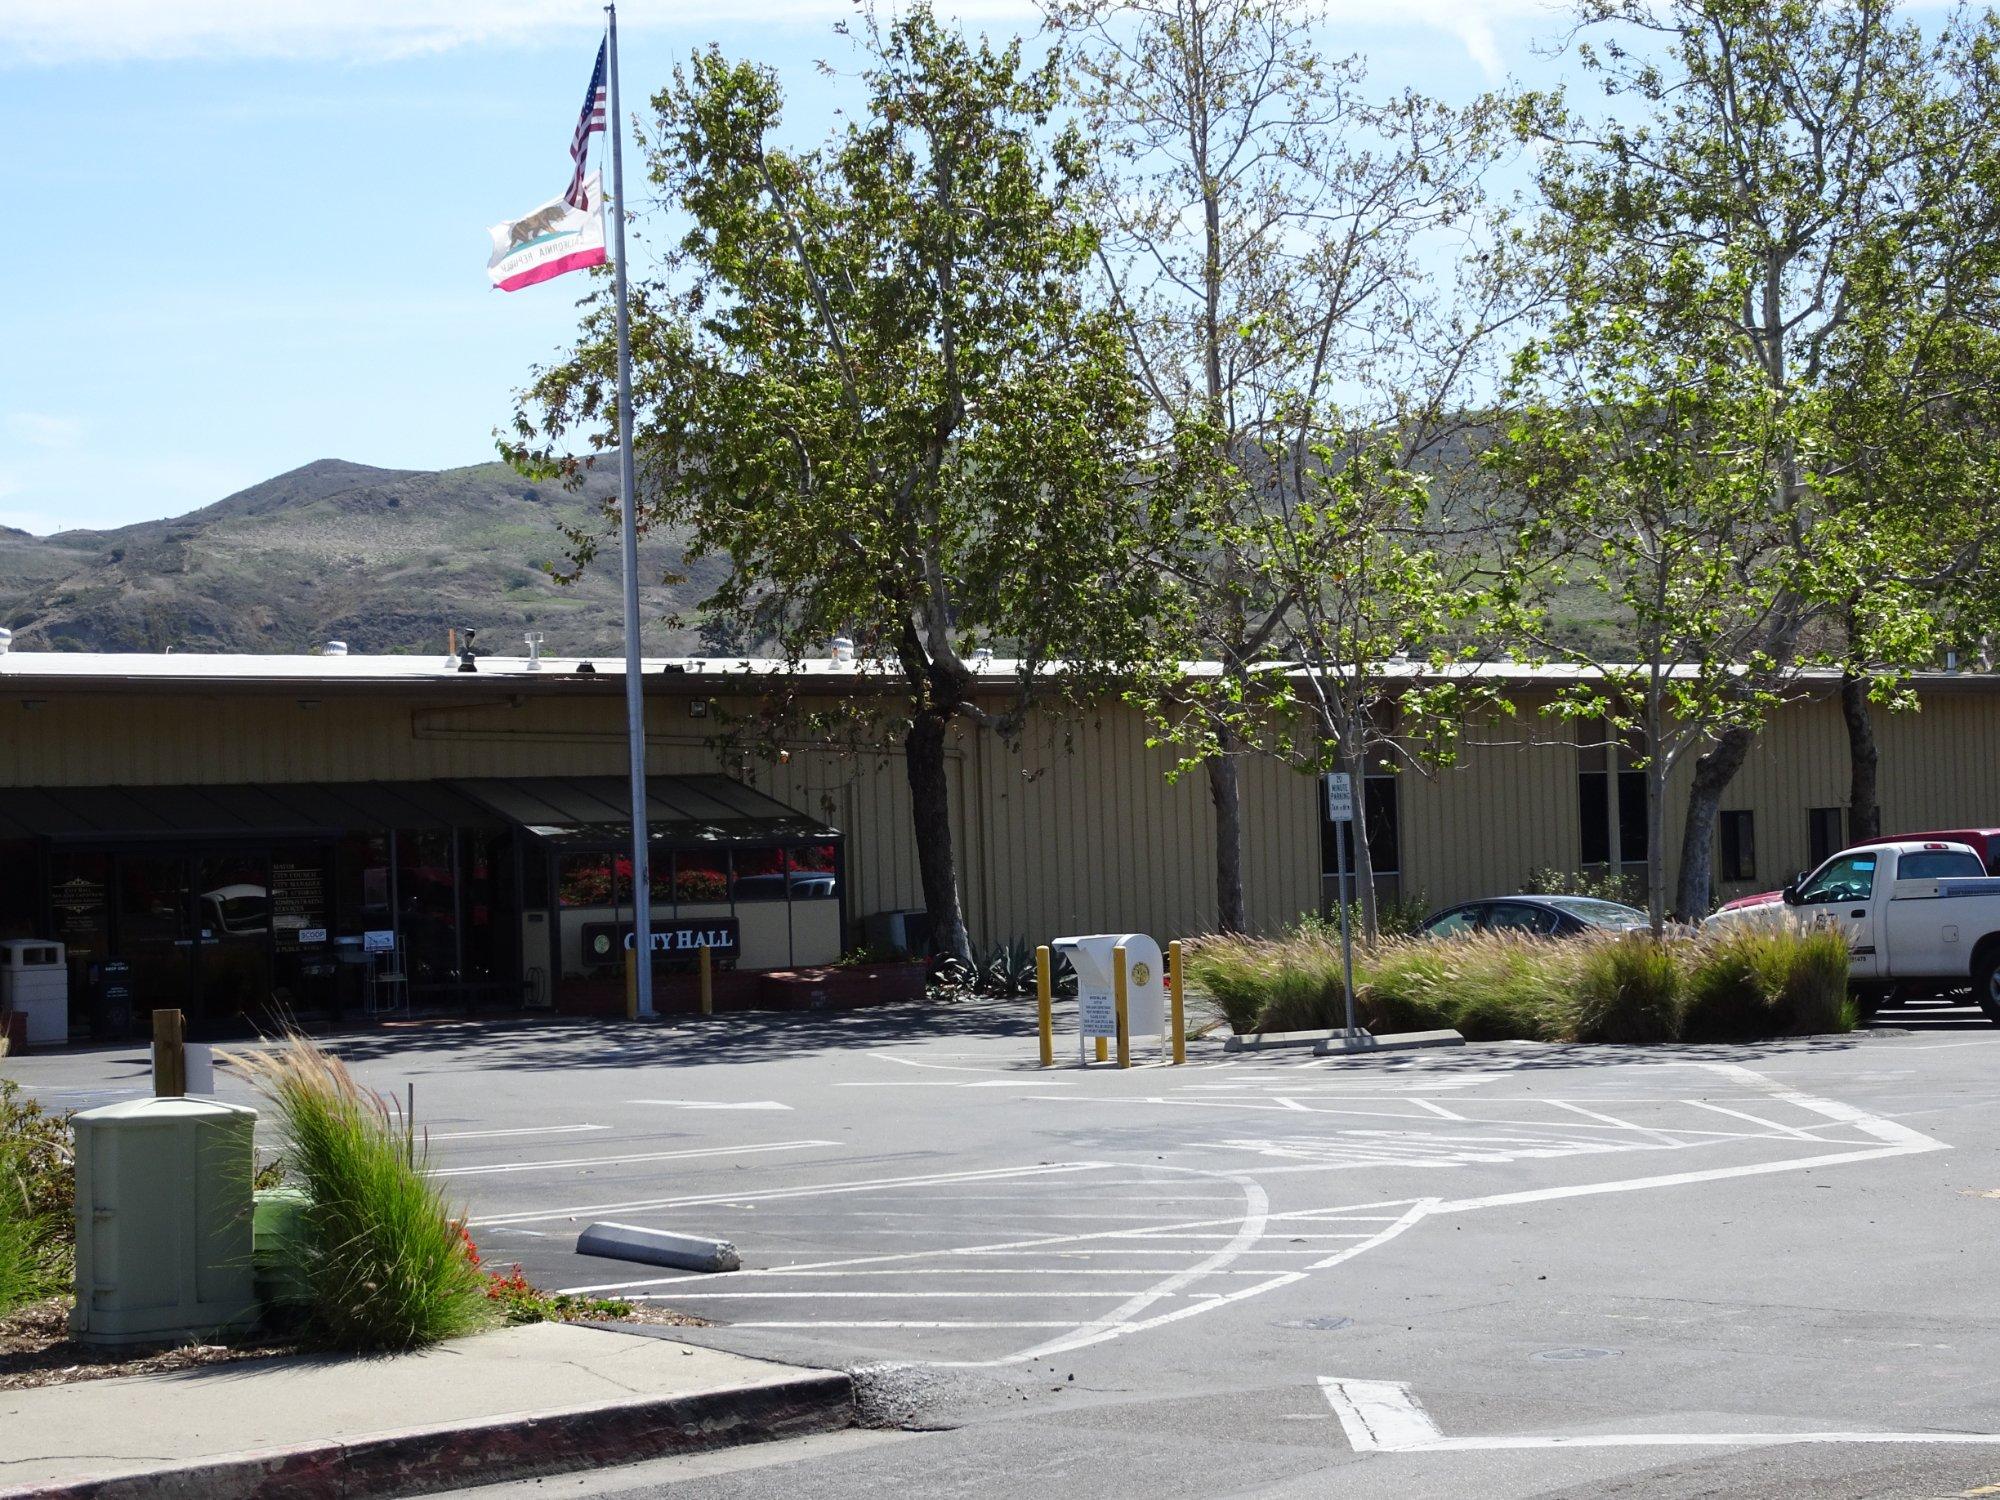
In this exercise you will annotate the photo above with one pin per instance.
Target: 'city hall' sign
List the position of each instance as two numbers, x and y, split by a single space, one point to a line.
608 942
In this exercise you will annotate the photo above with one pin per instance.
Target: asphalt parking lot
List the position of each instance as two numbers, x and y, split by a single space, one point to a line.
1506 1269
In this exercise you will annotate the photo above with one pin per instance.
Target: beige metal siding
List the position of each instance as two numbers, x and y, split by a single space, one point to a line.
1076 829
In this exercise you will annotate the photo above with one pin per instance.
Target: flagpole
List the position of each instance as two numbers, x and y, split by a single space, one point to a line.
635 693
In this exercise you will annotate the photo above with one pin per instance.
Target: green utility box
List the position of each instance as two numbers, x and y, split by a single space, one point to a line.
163 1220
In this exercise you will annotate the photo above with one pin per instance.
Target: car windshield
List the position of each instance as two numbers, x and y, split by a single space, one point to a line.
1597 913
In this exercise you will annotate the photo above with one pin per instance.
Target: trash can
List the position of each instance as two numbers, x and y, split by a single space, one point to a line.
34 984
110 1000
1145 982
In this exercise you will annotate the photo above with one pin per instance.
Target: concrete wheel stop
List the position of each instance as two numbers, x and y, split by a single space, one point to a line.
658 1247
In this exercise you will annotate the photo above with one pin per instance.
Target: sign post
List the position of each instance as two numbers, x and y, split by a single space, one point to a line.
1340 812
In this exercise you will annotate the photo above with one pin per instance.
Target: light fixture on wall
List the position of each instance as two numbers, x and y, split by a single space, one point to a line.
697 708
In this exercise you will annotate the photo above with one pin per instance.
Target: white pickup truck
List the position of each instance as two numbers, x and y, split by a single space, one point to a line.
1920 918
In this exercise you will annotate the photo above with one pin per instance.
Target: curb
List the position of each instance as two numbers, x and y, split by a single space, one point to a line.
1390 1041
424 1460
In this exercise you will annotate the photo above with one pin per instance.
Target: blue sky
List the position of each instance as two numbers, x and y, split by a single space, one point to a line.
247 235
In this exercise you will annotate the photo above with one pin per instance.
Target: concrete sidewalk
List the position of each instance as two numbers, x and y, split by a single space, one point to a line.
538 1399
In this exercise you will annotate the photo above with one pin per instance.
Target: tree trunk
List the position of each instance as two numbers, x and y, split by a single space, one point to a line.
1656 845
930 816
1225 790
1712 774
1864 760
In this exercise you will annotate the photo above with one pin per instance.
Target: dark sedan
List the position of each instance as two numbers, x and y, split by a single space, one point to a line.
1534 916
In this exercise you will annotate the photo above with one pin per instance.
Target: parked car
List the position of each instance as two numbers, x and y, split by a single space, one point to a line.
1534 916
1985 842
1920 917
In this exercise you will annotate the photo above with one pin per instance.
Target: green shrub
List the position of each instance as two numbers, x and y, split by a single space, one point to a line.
37 1200
387 1265
1628 989
1549 881
1733 983
1814 998
1407 985
1292 983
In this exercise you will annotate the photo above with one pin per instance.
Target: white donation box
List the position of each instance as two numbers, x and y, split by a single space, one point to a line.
1096 996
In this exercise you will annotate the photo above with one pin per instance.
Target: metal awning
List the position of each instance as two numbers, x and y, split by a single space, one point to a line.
235 810
576 811
681 811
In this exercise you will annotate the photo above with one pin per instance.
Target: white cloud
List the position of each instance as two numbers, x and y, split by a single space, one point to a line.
36 429
1470 22
37 32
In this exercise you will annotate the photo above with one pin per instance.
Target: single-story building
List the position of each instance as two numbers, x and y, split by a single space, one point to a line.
316 833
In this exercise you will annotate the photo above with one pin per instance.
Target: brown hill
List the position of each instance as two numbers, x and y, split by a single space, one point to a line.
384 559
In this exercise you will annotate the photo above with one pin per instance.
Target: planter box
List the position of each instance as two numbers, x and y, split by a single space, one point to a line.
841 986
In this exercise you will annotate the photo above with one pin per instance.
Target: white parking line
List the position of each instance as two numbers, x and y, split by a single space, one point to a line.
1384 1416
475 1135
615 1161
831 1189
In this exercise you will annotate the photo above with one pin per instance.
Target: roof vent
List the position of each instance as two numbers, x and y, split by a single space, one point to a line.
584 666
534 643
841 652
334 648
982 658
467 658
6 641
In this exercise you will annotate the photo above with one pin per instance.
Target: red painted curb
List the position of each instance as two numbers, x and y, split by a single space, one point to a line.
428 1459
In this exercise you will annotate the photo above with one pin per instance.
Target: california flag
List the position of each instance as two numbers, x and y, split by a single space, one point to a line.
549 241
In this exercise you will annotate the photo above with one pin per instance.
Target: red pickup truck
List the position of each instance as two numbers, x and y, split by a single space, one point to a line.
1984 841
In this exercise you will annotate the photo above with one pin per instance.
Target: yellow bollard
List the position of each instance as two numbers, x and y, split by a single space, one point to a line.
1103 1049
1178 1016
1118 987
1045 999
707 983
632 984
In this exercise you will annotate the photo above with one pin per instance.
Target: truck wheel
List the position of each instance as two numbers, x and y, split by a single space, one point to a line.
1986 984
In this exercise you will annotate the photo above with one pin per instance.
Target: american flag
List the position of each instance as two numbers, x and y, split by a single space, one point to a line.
592 119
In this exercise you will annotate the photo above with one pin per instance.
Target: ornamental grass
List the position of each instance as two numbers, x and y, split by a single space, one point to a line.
1637 989
387 1265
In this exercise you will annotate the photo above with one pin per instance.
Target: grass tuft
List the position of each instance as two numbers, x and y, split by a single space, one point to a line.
37 1199
1732 986
387 1264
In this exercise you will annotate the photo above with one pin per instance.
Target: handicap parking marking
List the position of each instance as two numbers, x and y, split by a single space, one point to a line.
1127 1246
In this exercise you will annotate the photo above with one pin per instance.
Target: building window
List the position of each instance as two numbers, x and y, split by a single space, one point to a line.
584 880
812 872
701 877
1739 846
760 875
1826 831
1385 843
1594 798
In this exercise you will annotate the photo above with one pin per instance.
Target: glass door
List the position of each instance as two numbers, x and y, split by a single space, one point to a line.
233 908
156 932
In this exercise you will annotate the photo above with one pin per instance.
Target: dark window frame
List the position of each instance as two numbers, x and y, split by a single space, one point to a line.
1736 844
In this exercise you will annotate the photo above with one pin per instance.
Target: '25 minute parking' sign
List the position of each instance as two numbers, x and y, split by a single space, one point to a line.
1339 797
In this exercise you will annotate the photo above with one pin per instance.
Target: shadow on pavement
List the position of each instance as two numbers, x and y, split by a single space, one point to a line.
698 1041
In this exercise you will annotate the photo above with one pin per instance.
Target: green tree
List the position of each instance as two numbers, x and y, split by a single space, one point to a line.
1783 150
1651 463
868 377
1264 236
